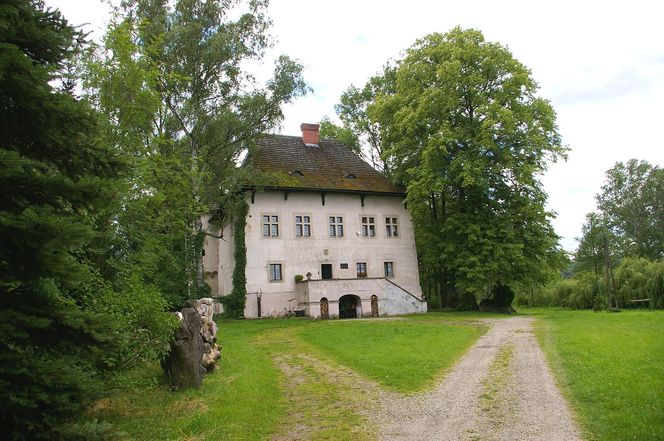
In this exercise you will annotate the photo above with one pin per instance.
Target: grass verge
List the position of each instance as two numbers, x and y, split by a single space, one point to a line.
402 355
611 368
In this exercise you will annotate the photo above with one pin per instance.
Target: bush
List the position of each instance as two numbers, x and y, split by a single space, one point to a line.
638 278
503 295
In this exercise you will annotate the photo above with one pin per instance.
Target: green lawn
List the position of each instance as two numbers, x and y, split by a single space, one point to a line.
241 401
403 355
249 397
611 367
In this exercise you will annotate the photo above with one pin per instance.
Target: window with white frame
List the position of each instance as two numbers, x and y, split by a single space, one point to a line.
276 274
336 226
270 225
368 226
361 269
389 269
391 226
302 225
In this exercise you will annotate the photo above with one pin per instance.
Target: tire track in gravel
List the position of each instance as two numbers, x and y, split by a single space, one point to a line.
528 405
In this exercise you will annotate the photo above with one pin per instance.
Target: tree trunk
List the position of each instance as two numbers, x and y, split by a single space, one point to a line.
610 282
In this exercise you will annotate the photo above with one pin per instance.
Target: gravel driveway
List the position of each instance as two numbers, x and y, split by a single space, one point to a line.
501 389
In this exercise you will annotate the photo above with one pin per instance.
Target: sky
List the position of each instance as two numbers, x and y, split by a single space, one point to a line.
599 63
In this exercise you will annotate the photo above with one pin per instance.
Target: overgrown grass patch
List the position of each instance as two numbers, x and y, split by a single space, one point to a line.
402 354
611 367
241 401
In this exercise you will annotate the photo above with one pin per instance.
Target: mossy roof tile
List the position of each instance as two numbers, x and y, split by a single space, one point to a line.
325 167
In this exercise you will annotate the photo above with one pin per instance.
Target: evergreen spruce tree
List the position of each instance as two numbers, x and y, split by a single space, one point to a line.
55 177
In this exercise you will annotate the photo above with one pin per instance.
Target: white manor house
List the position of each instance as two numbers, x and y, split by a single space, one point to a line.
328 217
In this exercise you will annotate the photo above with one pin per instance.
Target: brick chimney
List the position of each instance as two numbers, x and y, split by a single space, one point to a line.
310 134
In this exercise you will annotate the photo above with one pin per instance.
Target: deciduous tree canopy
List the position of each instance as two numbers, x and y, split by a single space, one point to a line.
461 125
172 81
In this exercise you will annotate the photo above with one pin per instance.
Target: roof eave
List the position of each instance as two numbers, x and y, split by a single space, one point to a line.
325 190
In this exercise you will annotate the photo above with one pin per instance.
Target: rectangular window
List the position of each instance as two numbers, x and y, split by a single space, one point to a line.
343 266
302 226
391 227
361 269
389 269
368 226
336 226
270 225
275 272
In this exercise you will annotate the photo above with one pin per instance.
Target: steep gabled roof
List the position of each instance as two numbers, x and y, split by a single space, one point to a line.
290 164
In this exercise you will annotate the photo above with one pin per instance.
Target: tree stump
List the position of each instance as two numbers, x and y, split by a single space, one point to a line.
194 351
183 364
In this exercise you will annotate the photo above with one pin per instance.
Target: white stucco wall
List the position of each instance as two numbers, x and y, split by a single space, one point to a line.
300 255
391 298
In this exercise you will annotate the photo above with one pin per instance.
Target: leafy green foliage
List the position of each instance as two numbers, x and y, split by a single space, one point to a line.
626 230
461 126
503 295
177 101
234 302
589 255
636 279
346 136
632 206
66 329
353 112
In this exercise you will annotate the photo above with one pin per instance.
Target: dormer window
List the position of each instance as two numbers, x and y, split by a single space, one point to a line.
296 173
351 176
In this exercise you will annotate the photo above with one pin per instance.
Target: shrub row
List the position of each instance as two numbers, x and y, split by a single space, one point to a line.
635 279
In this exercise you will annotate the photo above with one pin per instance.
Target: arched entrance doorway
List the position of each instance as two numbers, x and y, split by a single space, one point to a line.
350 306
374 306
324 309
